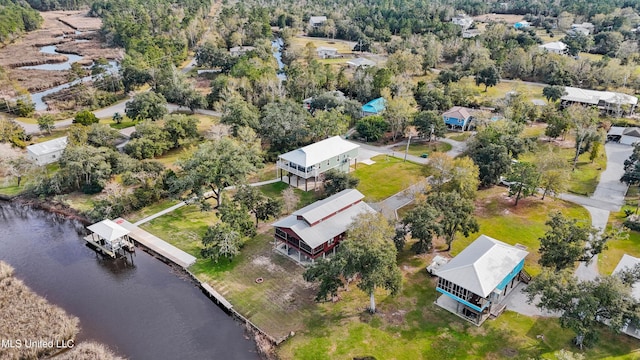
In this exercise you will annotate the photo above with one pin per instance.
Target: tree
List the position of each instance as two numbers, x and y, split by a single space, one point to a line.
445 77
216 165
455 215
464 178
12 132
430 124
181 127
372 128
86 118
566 242
146 105
554 92
422 223
221 240
488 76
14 164
524 179
585 125
237 216
493 161
557 123
324 124
261 206
585 305
237 112
554 172
632 167
100 135
148 141
398 112
442 170
86 167
336 181
46 123
117 118
284 124
368 253
290 199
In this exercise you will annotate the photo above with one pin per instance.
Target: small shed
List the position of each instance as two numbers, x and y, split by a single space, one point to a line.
357 62
317 21
624 135
374 107
109 237
47 152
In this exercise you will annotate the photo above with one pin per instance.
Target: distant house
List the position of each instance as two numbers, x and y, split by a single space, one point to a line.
374 107
556 47
458 118
47 152
462 20
317 230
313 160
240 50
357 62
475 283
470 33
317 21
606 101
624 135
521 25
586 28
339 95
629 262
327 52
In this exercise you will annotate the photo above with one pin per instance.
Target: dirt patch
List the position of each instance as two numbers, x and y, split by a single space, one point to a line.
266 263
58 28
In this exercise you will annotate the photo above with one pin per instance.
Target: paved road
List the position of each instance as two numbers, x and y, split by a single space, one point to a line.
610 189
457 148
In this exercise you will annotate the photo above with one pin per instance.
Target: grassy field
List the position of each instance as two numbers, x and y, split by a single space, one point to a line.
267 172
586 175
151 209
459 136
386 177
344 47
418 149
275 191
501 89
523 224
171 157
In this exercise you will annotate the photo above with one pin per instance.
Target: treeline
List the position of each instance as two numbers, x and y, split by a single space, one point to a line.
16 17
48 5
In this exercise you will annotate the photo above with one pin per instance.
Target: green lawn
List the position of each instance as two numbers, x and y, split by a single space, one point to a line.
151 209
275 191
171 157
123 125
183 227
386 177
420 148
523 224
267 172
499 91
11 188
586 175
610 257
459 136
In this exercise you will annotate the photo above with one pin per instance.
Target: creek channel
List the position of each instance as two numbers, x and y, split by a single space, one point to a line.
139 307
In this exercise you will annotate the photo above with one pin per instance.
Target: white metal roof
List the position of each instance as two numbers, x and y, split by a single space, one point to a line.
323 208
481 266
628 262
108 230
317 19
326 49
48 147
331 227
616 130
595 96
318 152
361 62
554 46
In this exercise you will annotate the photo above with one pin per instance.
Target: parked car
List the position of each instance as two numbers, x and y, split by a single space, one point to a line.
437 262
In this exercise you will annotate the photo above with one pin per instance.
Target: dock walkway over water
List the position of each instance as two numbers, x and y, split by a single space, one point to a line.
157 245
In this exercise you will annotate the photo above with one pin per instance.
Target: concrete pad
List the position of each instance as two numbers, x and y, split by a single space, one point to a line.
367 162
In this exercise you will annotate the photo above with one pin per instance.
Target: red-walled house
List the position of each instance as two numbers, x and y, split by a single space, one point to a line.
316 230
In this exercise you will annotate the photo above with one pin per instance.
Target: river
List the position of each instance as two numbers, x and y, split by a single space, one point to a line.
141 309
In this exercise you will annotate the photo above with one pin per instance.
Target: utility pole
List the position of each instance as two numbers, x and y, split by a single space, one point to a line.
407 149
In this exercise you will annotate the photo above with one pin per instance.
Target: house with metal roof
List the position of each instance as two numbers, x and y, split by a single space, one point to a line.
313 160
374 107
606 101
47 152
357 62
458 118
317 230
556 47
463 21
475 283
317 21
240 50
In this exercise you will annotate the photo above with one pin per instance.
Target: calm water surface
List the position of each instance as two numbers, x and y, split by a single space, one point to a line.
140 309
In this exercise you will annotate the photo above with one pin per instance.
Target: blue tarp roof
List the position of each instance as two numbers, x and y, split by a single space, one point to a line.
374 106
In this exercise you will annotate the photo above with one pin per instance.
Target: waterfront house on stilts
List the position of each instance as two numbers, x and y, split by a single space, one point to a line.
110 238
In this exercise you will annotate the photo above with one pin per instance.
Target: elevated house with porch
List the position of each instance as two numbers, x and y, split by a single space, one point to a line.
313 160
475 283
317 230
458 118
609 102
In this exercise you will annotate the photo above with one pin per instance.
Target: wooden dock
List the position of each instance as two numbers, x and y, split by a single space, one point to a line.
157 245
216 295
